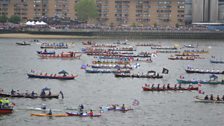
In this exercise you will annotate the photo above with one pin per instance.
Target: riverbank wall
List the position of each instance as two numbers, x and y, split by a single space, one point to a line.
125 34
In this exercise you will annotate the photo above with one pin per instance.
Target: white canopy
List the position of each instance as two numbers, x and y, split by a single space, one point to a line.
32 23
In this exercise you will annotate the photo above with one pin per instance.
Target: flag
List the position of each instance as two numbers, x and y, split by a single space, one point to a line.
165 71
135 102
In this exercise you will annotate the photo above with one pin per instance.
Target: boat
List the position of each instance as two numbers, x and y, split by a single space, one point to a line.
89 43
6 110
168 51
49 115
201 71
54 46
196 51
148 88
115 107
130 75
45 52
190 46
15 94
165 48
147 44
202 100
181 58
83 115
65 76
111 62
122 49
214 60
111 66
147 60
64 55
187 54
107 71
23 43
183 81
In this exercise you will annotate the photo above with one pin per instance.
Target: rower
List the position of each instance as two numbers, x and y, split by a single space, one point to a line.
179 86
123 107
152 86
211 97
91 113
43 106
81 107
158 86
32 94
13 92
164 86
175 86
49 94
50 112
218 99
206 97
168 86
223 97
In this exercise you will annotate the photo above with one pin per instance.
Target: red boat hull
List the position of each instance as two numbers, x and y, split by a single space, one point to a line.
6 111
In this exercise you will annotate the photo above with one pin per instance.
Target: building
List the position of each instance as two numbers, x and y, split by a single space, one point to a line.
141 12
34 9
207 10
111 12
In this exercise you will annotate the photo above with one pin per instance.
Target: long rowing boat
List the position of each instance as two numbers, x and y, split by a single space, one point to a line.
51 76
146 88
201 71
183 81
122 75
197 99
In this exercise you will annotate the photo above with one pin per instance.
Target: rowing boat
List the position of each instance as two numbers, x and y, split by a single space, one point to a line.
145 88
182 81
83 115
48 115
197 99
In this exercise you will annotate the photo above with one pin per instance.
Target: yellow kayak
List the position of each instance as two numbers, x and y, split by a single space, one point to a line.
53 115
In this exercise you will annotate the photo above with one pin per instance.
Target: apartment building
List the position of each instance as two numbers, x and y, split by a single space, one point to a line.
141 12
34 9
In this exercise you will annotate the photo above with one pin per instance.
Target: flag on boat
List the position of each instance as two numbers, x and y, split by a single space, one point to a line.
165 71
135 102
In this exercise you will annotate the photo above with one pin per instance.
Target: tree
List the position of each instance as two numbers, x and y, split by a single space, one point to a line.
86 10
3 19
14 19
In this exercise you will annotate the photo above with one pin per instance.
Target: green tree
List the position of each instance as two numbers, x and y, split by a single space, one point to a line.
86 10
3 19
14 19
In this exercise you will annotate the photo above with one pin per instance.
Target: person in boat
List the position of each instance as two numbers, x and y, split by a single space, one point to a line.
45 50
114 107
179 86
32 94
211 97
81 107
50 112
168 86
123 107
43 106
158 86
175 86
13 92
91 113
43 93
152 86
164 86
49 94
206 97
218 99
1 103
223 97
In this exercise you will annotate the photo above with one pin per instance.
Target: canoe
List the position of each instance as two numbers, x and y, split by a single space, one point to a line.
216 61
83 115
106 71
23 43
23 95
169 89
181 58
182 81
138 76
197 99
47 115
43 52
111 108
31 75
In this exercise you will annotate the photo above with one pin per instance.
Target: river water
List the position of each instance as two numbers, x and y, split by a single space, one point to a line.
94 90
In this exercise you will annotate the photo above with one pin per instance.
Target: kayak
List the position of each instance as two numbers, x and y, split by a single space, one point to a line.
110 108
47 115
